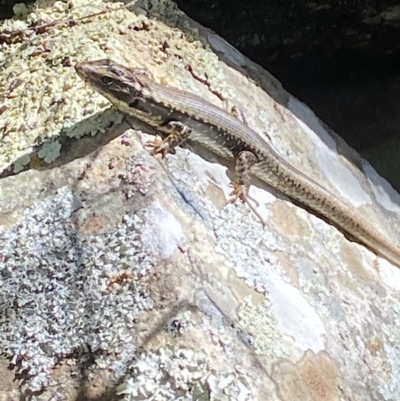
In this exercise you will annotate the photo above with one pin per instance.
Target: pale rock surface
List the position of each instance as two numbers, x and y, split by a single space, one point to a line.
127 277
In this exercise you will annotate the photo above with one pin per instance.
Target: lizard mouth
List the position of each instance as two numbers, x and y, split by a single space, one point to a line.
86 70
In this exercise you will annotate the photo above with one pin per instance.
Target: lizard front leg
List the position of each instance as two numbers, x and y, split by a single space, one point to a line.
244 161
241 185
177 134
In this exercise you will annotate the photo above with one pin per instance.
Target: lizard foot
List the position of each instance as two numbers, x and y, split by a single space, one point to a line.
241 192
158 146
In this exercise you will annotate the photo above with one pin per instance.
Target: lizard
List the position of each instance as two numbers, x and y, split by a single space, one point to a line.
180 115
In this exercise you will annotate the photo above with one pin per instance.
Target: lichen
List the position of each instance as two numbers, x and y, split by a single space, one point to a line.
44 96
260 323
55 293
50 151
181 375
179 324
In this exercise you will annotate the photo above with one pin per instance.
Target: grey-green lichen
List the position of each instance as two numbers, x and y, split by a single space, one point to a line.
182 375
57 293
260 324
50 151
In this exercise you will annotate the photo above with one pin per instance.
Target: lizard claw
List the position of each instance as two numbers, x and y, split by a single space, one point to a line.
157 146
239 192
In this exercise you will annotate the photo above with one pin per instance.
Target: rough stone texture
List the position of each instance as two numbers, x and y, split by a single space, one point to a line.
127 277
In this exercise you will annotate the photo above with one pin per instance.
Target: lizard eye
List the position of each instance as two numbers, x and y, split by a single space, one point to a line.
134 104
106 80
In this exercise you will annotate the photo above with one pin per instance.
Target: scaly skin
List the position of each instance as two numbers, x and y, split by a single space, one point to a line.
183 115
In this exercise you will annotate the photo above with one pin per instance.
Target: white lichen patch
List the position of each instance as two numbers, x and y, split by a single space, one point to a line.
43 95
296 317
182 375
389 276
338 175
58 296
163 231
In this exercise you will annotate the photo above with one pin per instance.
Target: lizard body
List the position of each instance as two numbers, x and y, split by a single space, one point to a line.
183 115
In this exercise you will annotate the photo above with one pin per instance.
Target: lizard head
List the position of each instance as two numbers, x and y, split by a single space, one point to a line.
119 84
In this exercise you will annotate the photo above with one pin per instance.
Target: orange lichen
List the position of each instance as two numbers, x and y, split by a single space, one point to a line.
314 378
